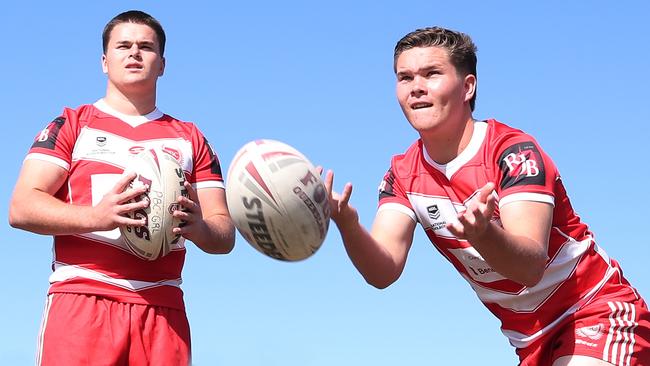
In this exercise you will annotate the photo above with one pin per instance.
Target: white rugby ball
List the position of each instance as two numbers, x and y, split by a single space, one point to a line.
160 170
277 200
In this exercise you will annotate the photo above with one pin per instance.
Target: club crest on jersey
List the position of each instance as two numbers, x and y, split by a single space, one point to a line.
101 141
522 164
434 212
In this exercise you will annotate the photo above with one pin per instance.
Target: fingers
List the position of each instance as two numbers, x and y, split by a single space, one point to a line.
486 192
124 182
345 195
329 182
191 192
134 206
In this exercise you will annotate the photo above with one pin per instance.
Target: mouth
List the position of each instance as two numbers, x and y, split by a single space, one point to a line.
134 66
421 105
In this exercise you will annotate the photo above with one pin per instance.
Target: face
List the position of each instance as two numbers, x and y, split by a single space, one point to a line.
132 58
430 91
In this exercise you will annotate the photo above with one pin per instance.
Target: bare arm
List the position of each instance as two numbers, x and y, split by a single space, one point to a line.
379 256
34 208
208 221
517 251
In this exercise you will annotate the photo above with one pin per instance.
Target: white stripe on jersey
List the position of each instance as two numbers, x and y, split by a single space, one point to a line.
41 331
520 340
557 271
618 351
116 149
64 272
398 207
527 196
38 156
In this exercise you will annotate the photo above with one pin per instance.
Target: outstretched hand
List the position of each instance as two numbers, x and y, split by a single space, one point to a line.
342 212
474 221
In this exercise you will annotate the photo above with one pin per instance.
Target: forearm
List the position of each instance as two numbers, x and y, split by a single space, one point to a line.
41 213
516 257
374 262
216 235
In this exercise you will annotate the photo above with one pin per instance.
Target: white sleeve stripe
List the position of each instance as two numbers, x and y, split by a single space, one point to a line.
38 156
527 196
209 184
392 206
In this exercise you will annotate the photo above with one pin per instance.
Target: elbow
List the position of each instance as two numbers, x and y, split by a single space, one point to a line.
223 246
380 282
16 217
534 274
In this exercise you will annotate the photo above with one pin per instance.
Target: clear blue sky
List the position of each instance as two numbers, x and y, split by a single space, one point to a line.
319 77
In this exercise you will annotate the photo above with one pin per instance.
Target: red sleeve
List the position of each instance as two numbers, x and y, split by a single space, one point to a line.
207 169
391 190
57 140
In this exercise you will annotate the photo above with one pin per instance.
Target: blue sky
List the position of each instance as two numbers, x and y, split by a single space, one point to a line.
318 75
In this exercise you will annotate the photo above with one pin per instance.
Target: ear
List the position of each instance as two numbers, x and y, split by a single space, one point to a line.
470 87
162 67
104 64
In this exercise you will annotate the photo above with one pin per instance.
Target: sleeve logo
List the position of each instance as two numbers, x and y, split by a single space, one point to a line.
522 164
386 186
47 137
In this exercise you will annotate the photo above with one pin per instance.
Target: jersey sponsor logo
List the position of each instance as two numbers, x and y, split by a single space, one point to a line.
47 137
173 152
522 164
386 185
594 332
476 267
101 141
135 150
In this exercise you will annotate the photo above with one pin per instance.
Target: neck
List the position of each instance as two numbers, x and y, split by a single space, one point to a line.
445 146
130 103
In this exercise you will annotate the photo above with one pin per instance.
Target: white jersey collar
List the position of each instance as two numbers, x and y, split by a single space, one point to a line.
134 121
478 135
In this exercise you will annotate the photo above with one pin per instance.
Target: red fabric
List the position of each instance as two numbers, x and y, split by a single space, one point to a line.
91 330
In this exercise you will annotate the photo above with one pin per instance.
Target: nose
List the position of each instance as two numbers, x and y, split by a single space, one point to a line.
418 86
134 51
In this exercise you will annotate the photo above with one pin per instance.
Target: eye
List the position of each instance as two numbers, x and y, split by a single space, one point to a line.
431 73
402 77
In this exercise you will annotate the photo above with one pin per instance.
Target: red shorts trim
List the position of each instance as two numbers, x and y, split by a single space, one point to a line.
90 330
612 329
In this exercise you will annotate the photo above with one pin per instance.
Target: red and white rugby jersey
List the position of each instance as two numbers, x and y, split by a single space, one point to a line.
433 195
93 143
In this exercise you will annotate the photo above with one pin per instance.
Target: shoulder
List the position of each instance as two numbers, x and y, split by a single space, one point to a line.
407 163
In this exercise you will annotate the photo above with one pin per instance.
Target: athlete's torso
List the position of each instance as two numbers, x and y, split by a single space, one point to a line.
93 144
434 194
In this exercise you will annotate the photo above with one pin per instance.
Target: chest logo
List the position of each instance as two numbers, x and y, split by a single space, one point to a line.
434 212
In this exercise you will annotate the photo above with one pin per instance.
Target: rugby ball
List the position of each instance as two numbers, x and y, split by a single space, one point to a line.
277 200
159 169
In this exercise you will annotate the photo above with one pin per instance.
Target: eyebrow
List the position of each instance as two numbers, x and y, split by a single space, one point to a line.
146 42
425 67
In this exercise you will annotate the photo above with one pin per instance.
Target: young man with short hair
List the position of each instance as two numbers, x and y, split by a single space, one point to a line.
105 305
493 203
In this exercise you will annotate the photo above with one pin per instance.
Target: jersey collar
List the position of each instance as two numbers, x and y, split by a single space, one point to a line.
449 169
